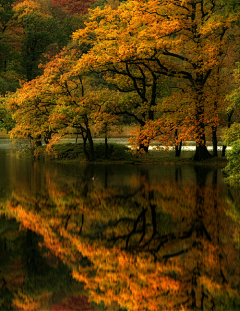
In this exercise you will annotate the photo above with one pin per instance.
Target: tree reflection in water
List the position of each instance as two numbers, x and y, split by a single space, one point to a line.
153 244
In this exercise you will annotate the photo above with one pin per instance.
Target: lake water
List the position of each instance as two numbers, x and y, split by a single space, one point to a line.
116 237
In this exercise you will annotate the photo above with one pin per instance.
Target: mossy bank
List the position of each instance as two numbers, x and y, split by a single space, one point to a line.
73 153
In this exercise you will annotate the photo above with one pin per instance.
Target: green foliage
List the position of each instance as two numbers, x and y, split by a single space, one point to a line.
6 12
103 3
39 34
98 3
6 121
9 53
234 97
8 82
67 23
232 139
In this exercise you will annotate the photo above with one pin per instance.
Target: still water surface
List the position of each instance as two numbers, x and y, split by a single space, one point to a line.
116 237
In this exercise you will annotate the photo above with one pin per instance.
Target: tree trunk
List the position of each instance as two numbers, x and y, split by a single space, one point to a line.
214 141
85 147
143 148
91 155
84 134
224 147
47 137
178 147
106 147
91 147
230 113
151 115
201 153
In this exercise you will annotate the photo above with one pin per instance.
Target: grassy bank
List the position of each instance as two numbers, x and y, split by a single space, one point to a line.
70 152
73 153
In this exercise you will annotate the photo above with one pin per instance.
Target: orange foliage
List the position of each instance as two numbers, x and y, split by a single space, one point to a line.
140 41
53 102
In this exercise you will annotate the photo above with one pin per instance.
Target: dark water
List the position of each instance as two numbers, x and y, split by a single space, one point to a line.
116 237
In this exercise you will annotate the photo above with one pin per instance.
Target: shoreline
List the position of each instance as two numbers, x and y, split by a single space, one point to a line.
69 152
72 153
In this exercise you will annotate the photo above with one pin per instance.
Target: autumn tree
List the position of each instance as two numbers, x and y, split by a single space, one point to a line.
53 102
141 41
32 32
36 101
